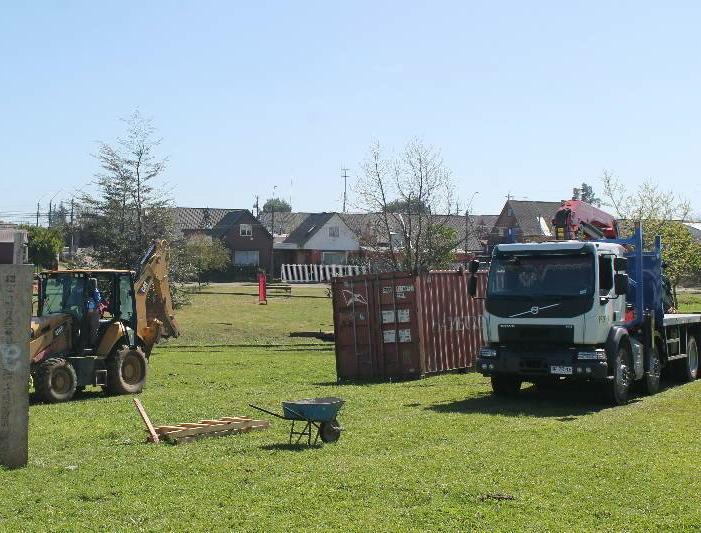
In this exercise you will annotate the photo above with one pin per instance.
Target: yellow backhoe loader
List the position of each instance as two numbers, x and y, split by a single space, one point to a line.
98 327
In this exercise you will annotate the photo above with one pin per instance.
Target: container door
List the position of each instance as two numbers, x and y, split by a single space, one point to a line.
400 353
353 327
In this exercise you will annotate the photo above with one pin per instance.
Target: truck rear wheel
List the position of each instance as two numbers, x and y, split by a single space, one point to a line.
619 386
688 368
55 381
503 385
653 370
126 371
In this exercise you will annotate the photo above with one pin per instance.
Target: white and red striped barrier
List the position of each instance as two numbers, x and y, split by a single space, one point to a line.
318 273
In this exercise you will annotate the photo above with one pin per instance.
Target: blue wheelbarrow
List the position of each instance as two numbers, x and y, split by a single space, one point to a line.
316 413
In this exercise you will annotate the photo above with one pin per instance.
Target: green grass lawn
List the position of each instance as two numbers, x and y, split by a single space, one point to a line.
689 301
436 454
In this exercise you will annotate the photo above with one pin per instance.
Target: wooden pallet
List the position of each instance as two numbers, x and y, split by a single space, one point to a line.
185 432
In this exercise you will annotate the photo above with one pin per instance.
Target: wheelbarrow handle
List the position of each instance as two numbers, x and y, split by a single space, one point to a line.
265 411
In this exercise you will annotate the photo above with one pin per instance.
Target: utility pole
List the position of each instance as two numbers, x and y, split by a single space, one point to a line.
272 232
72 230
37 224
256 207
345 187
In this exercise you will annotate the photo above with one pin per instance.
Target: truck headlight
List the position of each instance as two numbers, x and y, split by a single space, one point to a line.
592 355
488 352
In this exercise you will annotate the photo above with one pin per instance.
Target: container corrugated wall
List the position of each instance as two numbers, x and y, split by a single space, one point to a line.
451 320
397 325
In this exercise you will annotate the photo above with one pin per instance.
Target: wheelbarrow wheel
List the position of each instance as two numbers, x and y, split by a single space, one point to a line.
330 431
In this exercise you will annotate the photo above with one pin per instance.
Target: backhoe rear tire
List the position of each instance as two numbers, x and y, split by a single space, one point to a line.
55 380
126 371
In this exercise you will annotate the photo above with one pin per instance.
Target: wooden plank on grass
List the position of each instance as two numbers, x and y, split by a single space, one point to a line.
153 436
179 438
213 431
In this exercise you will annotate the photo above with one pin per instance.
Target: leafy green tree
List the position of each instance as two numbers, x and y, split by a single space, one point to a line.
586 193
130 208
680 252
277 205
440 246
413 205
44 245
206 255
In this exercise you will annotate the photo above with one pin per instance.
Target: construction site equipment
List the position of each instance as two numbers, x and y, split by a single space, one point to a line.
588 311
399 325
317 413
78 342
186 432
579 220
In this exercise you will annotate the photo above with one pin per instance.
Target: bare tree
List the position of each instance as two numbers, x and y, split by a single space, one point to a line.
661 213
417 235
648 204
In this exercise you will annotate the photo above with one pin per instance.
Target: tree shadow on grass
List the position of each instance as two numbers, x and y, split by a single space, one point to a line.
563 403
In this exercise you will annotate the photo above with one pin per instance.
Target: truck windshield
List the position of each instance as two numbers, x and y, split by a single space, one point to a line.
533 275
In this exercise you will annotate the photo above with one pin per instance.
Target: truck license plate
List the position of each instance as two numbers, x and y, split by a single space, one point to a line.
562 370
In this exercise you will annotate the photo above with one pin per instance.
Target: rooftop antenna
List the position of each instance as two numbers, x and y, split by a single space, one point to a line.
345 187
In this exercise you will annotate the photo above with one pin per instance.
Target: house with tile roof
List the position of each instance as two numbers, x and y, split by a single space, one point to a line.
310 238
470 232
250 242
524 221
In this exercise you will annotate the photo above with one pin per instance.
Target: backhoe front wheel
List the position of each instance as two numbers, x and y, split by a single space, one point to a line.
55 380
126 371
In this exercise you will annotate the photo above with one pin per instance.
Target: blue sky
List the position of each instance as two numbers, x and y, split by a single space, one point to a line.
527 98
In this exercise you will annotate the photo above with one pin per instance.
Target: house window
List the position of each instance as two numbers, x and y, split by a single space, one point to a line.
396 240
246 257
246 230
333 258
333 231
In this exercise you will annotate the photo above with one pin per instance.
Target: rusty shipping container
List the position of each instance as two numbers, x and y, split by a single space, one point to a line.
401 326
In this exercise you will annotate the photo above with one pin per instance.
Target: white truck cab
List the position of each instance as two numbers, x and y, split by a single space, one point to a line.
577 310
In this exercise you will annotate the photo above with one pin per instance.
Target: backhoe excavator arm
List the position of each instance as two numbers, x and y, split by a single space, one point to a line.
154 307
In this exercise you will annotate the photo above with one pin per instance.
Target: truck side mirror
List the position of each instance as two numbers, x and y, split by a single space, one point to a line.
472 286
474 266
620 283
620 264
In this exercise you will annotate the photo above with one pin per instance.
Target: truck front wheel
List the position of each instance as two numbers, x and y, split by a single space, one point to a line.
619 385
505 385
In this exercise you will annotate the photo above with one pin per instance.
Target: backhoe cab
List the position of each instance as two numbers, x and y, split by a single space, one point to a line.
98 327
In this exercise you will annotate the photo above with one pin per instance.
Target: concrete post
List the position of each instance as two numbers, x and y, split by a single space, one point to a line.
18 249
15 316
